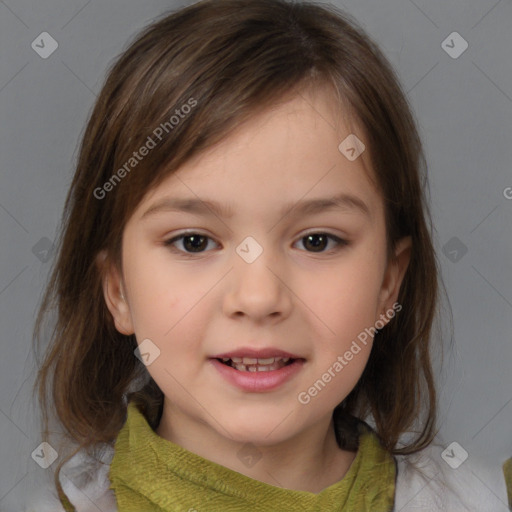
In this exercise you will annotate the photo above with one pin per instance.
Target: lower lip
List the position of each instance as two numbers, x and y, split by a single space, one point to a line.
258 381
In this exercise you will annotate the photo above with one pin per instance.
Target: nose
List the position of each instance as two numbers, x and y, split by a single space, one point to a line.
257 290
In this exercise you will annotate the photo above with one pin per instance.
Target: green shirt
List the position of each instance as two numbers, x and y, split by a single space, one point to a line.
507 471
150 473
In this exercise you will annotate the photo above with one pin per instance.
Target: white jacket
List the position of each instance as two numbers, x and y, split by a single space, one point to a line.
425 482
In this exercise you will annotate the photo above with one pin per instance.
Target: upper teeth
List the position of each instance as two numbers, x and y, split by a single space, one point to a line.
253 360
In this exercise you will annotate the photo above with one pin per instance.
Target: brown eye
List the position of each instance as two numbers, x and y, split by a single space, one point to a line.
195 243
190 243
318 242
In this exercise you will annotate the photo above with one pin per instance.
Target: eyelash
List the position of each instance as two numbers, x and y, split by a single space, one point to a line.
340 242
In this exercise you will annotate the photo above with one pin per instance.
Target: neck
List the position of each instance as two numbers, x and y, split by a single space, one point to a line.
318 463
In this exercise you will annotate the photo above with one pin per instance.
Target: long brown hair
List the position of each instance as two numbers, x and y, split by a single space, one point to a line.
233 58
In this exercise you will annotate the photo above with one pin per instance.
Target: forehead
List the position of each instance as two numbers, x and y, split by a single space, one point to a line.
296 149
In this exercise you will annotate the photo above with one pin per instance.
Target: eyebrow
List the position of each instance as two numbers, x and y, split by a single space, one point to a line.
343 202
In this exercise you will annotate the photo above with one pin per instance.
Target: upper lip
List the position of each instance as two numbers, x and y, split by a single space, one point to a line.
262 353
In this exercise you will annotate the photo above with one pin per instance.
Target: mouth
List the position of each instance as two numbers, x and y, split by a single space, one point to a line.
257 371
253 364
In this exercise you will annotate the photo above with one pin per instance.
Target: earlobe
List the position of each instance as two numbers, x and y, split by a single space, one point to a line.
114 295
395 273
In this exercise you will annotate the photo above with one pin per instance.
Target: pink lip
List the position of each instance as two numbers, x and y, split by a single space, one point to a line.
257 381
257 353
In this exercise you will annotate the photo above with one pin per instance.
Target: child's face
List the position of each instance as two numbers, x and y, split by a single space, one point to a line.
308 297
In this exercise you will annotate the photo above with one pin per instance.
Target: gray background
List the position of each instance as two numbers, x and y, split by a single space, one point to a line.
464 109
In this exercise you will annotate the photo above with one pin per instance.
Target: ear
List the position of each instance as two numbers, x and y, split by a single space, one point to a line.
395 273
114 294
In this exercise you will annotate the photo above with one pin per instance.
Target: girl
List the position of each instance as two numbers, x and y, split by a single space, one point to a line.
246 276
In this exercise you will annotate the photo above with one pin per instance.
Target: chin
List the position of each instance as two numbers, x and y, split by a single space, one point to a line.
264 432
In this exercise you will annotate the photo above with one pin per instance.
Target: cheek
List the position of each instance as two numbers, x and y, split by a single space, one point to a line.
346 298
169 307
156 296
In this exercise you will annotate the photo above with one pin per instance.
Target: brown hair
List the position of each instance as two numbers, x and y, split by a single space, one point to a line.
234 58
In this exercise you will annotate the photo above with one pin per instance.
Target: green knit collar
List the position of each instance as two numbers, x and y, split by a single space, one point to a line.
150 473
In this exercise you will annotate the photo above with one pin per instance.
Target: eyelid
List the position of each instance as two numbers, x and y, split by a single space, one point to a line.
341 242
170 241
323 231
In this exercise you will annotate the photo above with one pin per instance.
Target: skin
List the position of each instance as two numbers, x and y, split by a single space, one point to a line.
310 303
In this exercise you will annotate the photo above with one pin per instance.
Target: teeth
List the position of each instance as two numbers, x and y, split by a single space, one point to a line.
267 367
269 360
253 360
256 368
252 364
259 361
